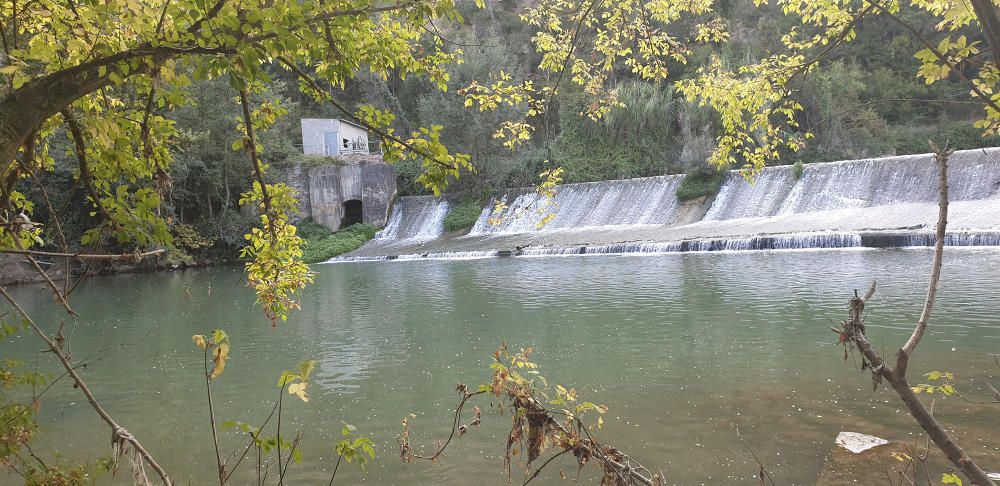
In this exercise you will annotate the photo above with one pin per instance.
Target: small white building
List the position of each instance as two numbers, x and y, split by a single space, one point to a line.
333 136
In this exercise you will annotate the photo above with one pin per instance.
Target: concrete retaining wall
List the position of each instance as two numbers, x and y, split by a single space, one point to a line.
333 185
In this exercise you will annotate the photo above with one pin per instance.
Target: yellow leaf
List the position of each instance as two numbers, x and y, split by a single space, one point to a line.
199 340
221 354
299 389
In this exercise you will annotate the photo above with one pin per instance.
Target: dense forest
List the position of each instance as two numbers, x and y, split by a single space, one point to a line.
864 102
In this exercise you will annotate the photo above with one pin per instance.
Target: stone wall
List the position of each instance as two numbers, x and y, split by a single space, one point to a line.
323 187
331 186
378 190
297 177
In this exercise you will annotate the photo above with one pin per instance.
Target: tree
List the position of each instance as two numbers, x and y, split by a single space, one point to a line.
110 71
592 40
127 61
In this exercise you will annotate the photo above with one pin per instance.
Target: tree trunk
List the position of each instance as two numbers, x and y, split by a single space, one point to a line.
23 110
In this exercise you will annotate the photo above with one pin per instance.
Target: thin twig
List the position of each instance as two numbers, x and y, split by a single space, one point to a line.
118 430
941 157
220 469
763 471
83 256
546 463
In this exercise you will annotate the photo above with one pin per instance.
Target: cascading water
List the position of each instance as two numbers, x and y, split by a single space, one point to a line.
972 175
738 198
876 203
630 202
415 217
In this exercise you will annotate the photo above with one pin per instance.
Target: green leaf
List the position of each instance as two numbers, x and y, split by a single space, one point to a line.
306 368
218 336
286 378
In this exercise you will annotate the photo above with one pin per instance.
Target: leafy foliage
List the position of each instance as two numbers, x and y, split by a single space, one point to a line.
310 230
941 383
463 215
358 450
700 183
217 347
346 240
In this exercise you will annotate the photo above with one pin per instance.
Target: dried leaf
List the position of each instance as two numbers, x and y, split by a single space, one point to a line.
200 341
220 355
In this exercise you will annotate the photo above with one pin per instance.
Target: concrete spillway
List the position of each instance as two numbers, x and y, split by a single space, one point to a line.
415 218
886 202
629 202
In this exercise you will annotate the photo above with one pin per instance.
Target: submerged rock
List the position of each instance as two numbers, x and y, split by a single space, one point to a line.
858 443
860 459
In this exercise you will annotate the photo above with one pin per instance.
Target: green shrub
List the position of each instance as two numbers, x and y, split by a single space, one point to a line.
311 230
348 239
700 182
462 216
798 169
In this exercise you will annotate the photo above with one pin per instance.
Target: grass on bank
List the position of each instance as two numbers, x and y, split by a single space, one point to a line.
462 216
700 182
322 244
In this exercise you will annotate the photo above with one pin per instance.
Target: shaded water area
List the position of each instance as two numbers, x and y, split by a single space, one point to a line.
684 349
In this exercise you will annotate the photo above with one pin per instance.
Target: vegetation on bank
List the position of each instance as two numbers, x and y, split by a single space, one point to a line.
463 216
798 168
129 136
700 182
322 245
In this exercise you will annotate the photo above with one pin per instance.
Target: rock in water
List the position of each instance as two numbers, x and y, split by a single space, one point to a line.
858 443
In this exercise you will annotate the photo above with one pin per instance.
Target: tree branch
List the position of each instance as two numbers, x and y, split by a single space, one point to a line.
987 99
84 256
853 330
941 157
988 15
118 432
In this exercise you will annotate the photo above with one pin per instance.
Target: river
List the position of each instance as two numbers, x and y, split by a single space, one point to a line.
683 348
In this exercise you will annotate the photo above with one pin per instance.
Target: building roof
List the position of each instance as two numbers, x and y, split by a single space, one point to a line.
349 122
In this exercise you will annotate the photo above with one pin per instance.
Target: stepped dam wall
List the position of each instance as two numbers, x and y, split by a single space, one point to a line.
881 203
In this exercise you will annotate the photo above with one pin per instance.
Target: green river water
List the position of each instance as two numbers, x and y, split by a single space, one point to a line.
683 348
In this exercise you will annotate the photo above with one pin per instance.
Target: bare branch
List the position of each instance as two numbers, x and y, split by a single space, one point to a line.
118 432
870 293
941 157
84 256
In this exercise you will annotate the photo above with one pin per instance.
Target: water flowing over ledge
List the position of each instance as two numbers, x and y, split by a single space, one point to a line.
875 203
415 218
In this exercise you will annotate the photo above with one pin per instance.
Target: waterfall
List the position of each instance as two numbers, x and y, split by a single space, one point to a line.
872 203
416 218
972 175
738 198
630 202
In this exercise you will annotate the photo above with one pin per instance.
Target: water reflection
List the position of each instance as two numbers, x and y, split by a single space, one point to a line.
685 348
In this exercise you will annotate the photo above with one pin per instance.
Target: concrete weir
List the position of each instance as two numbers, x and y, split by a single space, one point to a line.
887 202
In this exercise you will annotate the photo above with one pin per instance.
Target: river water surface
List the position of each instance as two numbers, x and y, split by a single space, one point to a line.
683 348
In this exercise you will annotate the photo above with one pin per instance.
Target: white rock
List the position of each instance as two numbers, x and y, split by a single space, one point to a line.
993 475
858 443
